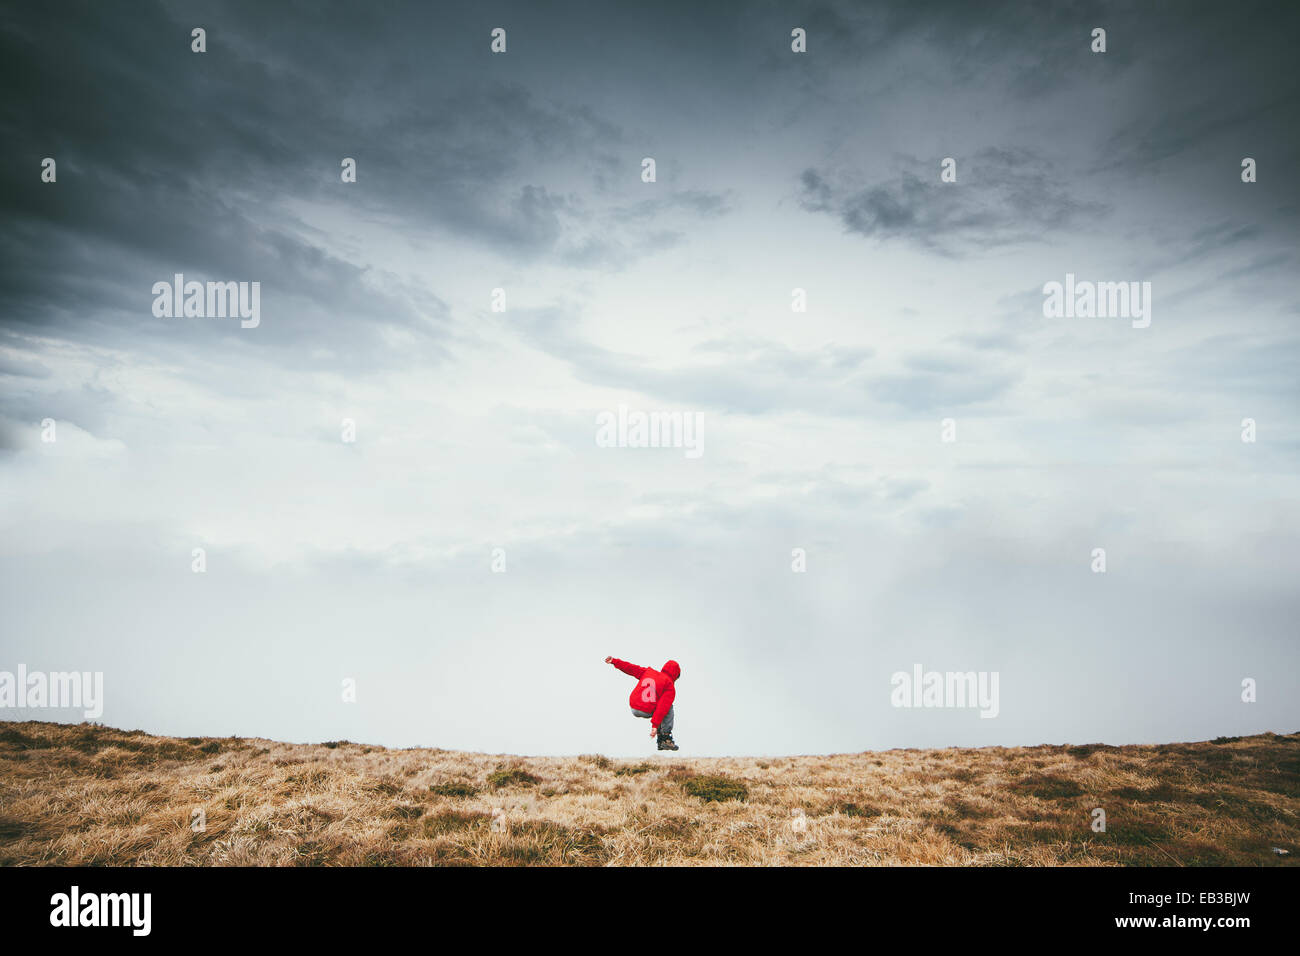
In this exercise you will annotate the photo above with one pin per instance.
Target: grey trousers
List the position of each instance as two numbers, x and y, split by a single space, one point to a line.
664 728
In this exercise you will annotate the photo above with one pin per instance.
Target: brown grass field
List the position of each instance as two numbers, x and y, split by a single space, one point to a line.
89 795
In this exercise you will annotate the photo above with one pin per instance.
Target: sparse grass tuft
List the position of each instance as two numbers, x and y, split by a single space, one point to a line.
451 821
545 843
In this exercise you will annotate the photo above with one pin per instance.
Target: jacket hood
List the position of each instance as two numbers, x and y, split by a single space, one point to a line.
672 669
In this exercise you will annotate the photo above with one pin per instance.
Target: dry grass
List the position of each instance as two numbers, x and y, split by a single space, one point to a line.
82 794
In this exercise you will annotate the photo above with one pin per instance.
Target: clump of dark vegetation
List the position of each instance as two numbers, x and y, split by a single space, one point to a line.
21 741
598 760
454 789
514 777
1046 787
404 811
676 829
1138 832
715 787
1087 750
449 821
1160 793
632 769
859 809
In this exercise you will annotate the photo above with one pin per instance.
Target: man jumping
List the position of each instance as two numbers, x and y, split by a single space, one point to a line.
653 697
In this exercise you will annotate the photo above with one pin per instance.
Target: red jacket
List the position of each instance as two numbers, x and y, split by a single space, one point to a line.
655 689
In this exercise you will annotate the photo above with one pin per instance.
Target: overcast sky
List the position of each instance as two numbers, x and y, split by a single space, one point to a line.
371 560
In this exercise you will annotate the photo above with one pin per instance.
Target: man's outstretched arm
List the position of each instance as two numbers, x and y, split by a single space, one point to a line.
632 670
664 705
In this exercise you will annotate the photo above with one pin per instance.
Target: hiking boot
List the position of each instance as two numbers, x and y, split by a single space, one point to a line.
666 742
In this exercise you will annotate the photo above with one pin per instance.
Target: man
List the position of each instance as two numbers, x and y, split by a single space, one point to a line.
653 697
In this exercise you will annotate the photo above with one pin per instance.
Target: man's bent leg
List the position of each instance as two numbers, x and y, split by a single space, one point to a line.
666 728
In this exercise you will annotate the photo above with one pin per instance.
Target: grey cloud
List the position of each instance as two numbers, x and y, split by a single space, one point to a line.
701 202
1023 49
761 377
614 238
146 195
757 376
993 341
1001 197
929 391
21 366
175 162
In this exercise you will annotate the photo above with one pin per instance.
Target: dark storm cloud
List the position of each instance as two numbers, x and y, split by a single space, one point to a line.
165 166
1022 48
1179 86
1002 196
1238 52
1154 139
170 161
1215 76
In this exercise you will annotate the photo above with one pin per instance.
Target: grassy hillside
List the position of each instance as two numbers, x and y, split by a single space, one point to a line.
82 794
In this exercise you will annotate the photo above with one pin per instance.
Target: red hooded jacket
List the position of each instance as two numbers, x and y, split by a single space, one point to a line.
655 689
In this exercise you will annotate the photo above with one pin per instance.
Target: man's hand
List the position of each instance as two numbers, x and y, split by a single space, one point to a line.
654 731
609 660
